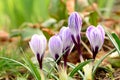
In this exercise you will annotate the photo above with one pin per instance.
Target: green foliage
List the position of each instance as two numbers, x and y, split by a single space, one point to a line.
100 60
114 39
57 9
33 69
17 12
26 33
79 67
109 7
93 19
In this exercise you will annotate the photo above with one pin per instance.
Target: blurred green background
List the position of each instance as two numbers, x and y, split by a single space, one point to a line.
13 13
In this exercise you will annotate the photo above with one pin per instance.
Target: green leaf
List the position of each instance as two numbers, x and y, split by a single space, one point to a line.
57 9
116 39
49 22
93 18
109 7
79 67
113 41
5 58
73 66
102 3
34 70
101 59
28 32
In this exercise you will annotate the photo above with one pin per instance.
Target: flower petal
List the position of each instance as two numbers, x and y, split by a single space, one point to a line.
75 23
65 35
55 46
38 44
102 31
95 36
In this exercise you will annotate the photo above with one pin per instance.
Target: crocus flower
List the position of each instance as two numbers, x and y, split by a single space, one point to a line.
38 46
96 37
65 35
55 46
75 23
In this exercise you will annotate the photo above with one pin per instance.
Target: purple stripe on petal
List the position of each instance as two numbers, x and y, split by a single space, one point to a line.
76 23
102 31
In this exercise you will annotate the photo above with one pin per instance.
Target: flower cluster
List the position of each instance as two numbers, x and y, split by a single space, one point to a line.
68 37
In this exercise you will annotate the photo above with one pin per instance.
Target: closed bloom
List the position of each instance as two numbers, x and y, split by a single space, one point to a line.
38 46
55 46
65 35
75 23
96 37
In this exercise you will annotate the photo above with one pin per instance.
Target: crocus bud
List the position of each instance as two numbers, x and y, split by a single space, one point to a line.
38 46
96 37
75 23
65 35
55 46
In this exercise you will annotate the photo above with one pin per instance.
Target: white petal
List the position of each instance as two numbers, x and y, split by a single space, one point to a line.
102 32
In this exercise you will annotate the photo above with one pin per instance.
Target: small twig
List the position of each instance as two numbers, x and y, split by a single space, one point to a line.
86 47
107 47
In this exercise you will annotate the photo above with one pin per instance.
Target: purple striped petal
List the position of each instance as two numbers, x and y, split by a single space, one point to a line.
38 44
96 37
75 23
102 31
55 46
65 35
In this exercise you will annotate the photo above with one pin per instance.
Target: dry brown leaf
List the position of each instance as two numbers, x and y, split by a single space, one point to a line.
70 4
4 36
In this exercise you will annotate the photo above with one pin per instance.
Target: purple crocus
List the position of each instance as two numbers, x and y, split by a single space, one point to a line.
38 46
65 35
75 23
55 46
96 37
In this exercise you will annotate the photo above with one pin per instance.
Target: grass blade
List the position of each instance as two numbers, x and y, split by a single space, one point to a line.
113 41
79 67
16 62
33 68
116 39
98 63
